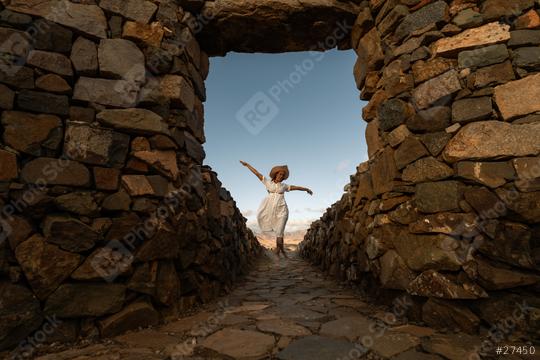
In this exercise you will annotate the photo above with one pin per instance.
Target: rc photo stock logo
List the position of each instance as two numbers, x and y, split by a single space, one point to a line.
257 113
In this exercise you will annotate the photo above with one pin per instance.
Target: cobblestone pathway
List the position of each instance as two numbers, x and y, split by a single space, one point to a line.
285 309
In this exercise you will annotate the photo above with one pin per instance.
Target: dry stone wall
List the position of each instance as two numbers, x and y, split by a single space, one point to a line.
109 219
447 207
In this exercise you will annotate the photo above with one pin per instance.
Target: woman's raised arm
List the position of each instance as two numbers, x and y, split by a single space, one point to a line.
253 170
300 188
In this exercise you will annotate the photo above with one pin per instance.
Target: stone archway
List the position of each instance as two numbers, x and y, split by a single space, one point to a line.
102 121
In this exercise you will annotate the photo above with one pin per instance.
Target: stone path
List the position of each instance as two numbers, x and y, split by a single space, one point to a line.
285 309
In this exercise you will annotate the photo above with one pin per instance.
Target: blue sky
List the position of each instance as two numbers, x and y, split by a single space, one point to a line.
300 109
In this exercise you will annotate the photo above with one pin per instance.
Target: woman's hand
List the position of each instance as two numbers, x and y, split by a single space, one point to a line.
244 163
309 191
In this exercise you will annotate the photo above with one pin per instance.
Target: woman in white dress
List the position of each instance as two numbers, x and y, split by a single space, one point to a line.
273 212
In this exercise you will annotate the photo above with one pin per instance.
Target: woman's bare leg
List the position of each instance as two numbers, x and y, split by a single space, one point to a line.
277 250
281 246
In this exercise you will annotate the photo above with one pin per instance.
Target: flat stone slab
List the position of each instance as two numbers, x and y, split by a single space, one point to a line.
187 323
246 308
239 344
320 348
149 339
391 344
349 327
296 312
282 327
353 303
453 347
415 330
416 355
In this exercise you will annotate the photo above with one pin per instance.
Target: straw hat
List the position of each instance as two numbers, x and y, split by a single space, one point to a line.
275 169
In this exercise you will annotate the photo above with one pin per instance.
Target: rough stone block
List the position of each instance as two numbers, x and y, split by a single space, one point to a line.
433 197
489 34
32 134
518 97
472 109
484 56
493 139
96 146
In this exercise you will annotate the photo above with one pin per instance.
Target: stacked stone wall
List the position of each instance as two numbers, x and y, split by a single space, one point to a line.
109 219
447 207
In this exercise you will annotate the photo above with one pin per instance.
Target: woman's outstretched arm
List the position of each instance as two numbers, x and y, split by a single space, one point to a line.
300 188
253 170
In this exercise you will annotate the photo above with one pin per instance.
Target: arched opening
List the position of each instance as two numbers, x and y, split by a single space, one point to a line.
308 110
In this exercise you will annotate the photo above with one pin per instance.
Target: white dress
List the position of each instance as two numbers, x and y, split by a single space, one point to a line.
273 212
